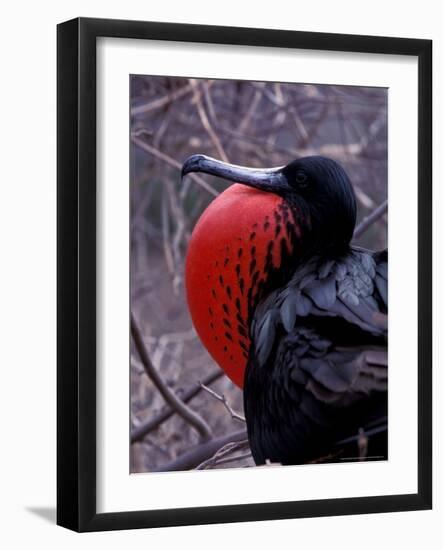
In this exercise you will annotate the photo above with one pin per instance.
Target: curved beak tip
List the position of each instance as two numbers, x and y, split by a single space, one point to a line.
192 164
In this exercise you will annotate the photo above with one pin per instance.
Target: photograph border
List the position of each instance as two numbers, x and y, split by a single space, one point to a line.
77 285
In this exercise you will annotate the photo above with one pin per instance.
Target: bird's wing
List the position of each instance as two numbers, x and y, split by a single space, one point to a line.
352 290
325 336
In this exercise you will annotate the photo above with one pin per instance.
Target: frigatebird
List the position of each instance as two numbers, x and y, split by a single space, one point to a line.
291 310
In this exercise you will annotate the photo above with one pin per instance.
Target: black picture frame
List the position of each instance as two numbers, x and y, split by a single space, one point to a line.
76 265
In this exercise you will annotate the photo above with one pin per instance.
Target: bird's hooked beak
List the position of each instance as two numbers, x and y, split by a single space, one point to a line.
266 179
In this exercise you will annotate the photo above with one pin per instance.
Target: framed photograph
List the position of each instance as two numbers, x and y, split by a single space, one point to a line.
225 352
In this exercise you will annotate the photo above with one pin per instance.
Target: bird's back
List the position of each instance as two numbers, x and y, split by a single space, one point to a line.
317 372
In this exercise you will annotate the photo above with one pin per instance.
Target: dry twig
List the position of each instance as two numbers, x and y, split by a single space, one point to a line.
222 399
220 456
372 218
161 102
168 395
200 453
205 122
169 160
143 429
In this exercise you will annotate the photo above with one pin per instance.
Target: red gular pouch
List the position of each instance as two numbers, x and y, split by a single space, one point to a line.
237 244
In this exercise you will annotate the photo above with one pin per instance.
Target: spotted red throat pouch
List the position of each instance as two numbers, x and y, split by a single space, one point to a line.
238 241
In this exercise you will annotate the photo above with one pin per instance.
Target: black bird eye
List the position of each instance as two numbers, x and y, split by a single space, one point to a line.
301 179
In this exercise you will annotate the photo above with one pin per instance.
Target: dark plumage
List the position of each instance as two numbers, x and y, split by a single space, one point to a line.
317 370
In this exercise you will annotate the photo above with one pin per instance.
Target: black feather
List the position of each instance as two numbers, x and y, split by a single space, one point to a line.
317 371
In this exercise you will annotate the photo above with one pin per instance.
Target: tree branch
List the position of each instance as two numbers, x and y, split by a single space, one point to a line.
162 101
223 400
141 431
200 453
169 160
205 121
219 456
372 218
168 395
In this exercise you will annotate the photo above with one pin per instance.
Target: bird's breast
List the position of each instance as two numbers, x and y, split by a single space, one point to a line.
240 241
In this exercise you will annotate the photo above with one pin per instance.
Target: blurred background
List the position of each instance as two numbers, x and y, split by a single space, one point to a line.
175 423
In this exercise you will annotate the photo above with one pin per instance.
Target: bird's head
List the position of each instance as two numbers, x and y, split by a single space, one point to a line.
251 238
320 190
316 188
